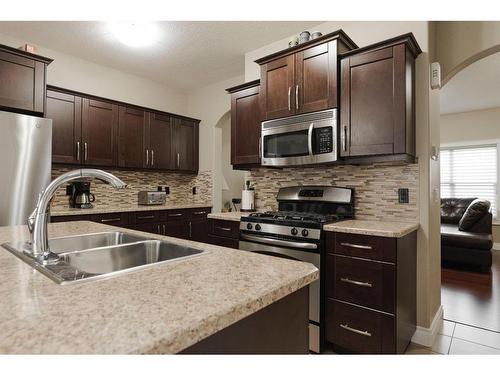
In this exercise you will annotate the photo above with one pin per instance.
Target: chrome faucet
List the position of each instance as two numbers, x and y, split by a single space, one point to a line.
37 221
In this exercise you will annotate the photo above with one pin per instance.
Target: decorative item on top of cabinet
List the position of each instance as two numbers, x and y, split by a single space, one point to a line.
245 125
370 294
378 101
303 78
23 76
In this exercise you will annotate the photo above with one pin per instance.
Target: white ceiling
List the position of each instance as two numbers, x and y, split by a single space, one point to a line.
187 54
474 88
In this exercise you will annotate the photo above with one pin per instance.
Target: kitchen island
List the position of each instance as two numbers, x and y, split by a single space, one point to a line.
194 305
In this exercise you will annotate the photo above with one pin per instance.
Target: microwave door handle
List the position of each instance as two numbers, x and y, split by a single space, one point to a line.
310 139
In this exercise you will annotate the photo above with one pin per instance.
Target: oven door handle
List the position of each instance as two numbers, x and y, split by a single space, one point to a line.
283 243
310 139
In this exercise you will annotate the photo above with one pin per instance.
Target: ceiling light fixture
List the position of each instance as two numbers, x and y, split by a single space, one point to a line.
135 34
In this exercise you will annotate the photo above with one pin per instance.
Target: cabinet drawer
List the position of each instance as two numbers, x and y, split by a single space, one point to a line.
359 330
361 246
225 228
363 282
119 219
146 217
175 215
199 213
63 219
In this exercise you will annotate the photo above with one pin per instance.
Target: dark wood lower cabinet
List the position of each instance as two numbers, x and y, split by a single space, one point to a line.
224 233
370 293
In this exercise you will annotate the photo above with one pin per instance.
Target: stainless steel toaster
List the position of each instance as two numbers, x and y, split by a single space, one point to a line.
151 197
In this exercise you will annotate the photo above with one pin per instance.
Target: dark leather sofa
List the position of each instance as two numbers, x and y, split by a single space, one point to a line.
471 248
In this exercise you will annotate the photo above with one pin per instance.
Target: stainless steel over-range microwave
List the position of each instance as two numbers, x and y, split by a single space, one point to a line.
300 140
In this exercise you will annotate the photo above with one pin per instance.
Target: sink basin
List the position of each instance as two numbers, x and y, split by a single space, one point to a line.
102 255
90 241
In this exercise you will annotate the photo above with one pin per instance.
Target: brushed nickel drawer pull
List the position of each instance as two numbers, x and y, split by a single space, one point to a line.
358 283
224 229
110 220
174 215
354 330
145 217
347 244
199 212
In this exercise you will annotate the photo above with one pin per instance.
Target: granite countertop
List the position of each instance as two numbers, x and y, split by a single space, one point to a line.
232 216
68 211
373 228
162 309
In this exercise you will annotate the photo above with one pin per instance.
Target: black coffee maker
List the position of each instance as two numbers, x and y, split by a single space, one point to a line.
80 195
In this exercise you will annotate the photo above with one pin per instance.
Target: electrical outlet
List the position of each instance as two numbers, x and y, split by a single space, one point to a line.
167 189
194 190
403 195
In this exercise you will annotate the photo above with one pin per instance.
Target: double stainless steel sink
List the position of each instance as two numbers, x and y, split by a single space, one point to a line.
102 255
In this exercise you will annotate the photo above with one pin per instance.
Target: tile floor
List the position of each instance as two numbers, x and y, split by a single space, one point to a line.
456 338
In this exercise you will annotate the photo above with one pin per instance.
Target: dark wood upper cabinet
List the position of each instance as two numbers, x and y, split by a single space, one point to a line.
99 133
377 100
245 124
185 145
159 141
65 110
22 77
303 78
131 137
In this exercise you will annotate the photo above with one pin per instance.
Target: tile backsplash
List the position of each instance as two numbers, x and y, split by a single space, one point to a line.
375 187
180 184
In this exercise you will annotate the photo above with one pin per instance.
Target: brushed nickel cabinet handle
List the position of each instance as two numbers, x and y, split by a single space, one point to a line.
152 157
78 151
159 231
145 217
365 247
164 230
190 229
85 151
199 212
354 330
112 220
289 99
147 157
355 282
223 229
260 147
297 97
178 160
344 137
174 215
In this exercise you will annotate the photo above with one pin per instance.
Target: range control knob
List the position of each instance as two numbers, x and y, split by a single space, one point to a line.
294 231
249 226
305 232
257 227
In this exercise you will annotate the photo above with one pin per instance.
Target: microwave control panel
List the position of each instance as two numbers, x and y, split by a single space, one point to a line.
323 138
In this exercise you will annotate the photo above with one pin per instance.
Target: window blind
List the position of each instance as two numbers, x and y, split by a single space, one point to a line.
468 172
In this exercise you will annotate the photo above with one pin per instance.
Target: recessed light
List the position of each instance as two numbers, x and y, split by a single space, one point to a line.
135 34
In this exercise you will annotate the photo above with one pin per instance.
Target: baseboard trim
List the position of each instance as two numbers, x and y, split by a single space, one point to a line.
496 246
426 336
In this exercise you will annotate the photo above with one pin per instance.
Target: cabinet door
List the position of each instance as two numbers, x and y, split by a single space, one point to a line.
245 127
277 93
131 138
155 228
22 83
159 136
373 108
316 78
99 133
186 145
177 228
65 110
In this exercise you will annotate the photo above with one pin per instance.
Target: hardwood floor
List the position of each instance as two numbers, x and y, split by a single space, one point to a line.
472 298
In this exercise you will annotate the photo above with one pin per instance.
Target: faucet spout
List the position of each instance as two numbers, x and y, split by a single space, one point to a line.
37 222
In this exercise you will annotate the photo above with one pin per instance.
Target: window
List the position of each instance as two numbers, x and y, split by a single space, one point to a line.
468 172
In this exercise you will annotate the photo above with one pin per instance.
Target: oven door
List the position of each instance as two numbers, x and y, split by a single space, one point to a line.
249 243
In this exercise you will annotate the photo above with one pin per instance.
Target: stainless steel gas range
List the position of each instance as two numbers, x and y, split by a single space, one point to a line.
295 231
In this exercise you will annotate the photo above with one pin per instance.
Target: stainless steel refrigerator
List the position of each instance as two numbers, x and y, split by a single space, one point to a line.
25 164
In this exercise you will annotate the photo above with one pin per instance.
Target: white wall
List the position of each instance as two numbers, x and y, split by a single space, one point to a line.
73 73
427 124
470 126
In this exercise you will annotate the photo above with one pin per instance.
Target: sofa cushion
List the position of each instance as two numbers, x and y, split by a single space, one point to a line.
452 209
476 210
452 236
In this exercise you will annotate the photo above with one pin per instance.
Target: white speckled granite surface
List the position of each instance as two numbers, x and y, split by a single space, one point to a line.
161 309
68 211
373 228
232 216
